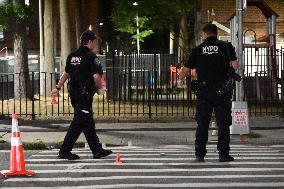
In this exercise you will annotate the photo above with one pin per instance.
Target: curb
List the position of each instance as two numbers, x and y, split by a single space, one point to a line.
234 140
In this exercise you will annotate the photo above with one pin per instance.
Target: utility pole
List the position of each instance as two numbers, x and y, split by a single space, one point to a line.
240 121
137 25
41 56
239 17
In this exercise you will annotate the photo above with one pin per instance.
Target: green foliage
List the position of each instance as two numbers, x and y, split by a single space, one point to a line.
58 144
1 139
255 135
18 11
37 145
153 16
125 18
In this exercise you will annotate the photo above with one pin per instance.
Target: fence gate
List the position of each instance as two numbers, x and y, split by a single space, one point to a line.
263 79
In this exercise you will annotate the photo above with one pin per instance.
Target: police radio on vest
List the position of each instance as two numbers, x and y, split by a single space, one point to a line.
210 49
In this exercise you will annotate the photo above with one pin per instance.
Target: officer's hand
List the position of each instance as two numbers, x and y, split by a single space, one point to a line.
102 90
234 64
54 92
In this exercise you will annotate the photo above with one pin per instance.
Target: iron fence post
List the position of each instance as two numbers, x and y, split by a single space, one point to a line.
282 92
149 94
33 99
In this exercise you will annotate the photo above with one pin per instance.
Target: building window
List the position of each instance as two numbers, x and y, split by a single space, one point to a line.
280 38
225 38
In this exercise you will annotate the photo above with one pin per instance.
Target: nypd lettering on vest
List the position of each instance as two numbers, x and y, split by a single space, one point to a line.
75 60
210 49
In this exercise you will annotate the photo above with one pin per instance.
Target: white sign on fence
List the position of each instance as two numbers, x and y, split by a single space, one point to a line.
240 121
1 35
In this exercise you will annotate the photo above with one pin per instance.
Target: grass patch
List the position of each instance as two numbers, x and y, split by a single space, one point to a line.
2 140
137 108
57 145
103 109
254 135
37 145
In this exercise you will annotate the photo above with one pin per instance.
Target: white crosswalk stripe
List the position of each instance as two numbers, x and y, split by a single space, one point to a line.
169 166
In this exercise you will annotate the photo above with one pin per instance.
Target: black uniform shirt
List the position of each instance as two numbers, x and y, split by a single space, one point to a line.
81 65
211 60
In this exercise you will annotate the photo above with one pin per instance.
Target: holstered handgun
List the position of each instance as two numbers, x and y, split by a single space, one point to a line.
232 74
194 85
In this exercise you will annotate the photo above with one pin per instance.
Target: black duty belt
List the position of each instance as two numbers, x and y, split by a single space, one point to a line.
210 84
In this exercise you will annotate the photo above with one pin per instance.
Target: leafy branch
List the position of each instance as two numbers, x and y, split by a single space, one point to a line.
9 12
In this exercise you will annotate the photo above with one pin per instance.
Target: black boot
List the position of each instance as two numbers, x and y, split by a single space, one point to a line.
226 158
68 156
199 159
102 153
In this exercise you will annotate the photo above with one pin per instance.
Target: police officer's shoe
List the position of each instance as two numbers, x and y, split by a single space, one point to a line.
199 159
102 153
68 156
226 158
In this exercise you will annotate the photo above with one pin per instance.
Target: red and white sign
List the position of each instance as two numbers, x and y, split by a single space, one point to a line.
240 117
240 121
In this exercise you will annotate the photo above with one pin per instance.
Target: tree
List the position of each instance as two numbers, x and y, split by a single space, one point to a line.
13 17
78 20
48 46
155 16
125 16
64 33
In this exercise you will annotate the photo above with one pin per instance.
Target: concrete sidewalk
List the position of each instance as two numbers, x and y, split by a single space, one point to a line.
264 130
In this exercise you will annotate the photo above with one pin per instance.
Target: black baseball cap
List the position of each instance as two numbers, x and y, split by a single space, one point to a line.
210 28
88 35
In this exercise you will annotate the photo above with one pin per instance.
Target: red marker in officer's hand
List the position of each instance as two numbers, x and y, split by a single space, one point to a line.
53 101
102 90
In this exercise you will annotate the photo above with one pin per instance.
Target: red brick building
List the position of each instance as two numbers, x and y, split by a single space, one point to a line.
254 19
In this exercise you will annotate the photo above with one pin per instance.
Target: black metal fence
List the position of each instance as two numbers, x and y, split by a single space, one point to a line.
145 86
263 82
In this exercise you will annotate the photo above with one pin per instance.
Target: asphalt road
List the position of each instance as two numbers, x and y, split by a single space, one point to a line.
163 166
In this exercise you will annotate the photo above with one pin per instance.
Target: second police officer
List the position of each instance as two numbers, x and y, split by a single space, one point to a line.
84 71
211 61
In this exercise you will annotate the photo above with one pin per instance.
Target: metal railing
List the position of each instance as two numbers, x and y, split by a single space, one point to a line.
142 86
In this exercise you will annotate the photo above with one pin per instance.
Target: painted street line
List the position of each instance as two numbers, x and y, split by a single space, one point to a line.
172 185
72 179
169 154
158 159
158 170
155 164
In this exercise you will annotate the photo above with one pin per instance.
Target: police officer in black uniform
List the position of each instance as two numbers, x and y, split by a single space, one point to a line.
211 61
84 71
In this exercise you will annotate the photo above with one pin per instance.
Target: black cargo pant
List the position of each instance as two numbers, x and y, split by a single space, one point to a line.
211 98
83 121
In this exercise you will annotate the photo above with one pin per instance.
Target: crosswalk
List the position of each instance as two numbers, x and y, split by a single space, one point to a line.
168 166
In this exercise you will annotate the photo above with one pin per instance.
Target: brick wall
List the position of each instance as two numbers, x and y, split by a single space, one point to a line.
253 17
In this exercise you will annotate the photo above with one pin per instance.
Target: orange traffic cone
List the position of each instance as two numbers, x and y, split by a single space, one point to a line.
17 161
53 101
243 138
117 159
